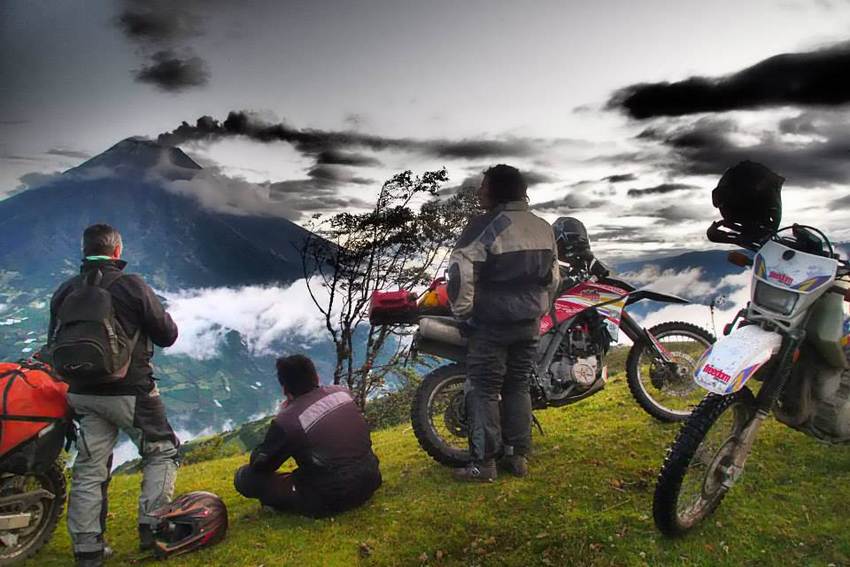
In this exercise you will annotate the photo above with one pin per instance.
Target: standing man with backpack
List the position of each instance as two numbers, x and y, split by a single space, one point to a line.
503 276
102 327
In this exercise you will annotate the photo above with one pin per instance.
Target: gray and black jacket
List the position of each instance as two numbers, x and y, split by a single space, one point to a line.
504 268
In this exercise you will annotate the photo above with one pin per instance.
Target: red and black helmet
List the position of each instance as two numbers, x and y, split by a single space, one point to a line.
191 521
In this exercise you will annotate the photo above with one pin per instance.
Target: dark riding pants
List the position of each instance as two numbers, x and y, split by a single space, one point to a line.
283 492
499 365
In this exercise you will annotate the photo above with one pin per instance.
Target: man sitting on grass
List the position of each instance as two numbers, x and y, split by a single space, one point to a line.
323 430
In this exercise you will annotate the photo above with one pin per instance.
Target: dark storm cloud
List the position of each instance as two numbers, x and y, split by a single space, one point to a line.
158 23
632 234
678 214
16 157
335 176
813 78
620 178
570 202
172 73
661 189
841 202
313 142
64 152
708 147
336 157
471 182
160 28
312 196
533 178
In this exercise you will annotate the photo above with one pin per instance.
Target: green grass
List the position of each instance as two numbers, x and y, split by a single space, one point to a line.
587 502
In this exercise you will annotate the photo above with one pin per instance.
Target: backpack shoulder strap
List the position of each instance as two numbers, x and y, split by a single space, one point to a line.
107 282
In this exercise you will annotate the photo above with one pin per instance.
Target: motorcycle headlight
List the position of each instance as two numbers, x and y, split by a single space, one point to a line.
775 299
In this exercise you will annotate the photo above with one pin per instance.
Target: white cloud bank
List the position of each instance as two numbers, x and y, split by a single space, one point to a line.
685 283
262 315
696 313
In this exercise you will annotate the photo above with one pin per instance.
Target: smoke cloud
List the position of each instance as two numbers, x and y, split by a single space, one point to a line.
320 144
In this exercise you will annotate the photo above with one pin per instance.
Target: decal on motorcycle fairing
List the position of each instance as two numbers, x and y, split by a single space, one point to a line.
586 295
845 340
758 266
812 283
732 360
801 272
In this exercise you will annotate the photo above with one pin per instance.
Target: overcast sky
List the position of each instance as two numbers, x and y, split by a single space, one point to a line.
623 113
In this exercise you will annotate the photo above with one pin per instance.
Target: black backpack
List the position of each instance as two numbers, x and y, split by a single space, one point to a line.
89 346
748 196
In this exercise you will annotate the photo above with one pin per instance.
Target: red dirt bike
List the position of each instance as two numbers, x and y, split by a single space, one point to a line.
574 341
34 426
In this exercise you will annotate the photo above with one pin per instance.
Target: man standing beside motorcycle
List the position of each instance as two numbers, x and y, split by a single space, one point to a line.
503 276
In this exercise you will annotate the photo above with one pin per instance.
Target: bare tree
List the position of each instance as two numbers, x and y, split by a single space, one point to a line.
398 244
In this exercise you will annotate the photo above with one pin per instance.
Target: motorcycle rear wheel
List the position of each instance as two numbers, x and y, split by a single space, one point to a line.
665 392
689 487
46 512
438 415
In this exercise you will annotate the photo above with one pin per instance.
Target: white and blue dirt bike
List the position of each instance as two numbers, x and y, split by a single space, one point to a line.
791 344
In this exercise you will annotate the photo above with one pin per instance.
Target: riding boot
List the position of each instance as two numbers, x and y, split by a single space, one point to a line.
89 559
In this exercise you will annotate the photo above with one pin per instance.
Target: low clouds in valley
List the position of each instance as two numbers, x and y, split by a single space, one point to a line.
263 316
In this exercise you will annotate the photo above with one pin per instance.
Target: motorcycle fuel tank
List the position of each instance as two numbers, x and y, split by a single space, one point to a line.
609 299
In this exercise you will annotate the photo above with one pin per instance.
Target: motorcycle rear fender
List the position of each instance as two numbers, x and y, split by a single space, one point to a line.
730 362
646 293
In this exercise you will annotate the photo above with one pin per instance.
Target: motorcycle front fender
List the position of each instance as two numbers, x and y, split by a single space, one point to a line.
730 362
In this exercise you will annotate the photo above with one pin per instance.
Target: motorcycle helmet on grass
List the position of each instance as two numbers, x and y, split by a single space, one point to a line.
191 521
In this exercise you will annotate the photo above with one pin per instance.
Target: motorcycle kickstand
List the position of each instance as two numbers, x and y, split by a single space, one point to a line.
536 422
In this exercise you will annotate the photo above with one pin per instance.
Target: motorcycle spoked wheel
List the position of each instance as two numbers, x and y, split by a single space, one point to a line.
438 415
689 486
668 392
45 513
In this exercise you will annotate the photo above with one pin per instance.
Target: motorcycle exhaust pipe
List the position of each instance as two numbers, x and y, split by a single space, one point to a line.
442 330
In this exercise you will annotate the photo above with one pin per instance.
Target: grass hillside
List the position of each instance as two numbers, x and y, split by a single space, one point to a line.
587 502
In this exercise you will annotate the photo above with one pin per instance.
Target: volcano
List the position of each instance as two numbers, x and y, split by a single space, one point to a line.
169 238
176 244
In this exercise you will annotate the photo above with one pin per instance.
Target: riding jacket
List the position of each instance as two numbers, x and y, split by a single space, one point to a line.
504 268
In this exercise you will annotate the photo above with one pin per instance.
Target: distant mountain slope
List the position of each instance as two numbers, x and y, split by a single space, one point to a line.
713 263
169 238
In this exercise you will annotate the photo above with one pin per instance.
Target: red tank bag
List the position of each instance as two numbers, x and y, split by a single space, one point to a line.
30 400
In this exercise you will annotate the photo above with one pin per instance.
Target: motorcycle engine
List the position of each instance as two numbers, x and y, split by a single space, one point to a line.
816 400
576 363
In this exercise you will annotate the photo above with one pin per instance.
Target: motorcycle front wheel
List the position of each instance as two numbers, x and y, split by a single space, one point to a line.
667 391
20 543
690 486
438 415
